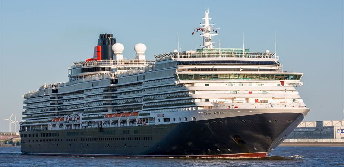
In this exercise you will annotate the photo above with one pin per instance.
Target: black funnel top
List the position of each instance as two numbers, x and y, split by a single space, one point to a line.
106 41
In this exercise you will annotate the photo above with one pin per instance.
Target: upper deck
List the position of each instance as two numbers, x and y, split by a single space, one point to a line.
236 54
111 63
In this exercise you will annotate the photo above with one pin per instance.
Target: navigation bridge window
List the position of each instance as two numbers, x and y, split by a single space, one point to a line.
239 76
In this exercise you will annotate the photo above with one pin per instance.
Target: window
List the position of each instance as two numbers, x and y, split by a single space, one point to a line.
185 119
166 119
206 100
239 76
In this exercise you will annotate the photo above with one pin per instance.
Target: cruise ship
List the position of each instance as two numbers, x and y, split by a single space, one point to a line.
208 102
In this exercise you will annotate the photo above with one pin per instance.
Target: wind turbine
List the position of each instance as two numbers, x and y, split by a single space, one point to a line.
15 123
9 122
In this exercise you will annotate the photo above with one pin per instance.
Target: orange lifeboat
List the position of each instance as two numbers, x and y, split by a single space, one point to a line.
127 114
109 115
56 119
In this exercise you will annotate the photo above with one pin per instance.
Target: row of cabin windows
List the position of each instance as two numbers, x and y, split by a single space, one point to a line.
239 76
92 139
69 133
226 69
125 145
37 141
179 119
226 62
93 69
41 135
241 84
116 138
108 145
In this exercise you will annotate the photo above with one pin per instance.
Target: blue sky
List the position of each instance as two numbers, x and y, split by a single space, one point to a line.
40 39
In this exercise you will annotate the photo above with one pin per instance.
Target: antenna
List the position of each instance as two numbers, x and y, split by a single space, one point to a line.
275 44
178 48
220 47
243 44
343 85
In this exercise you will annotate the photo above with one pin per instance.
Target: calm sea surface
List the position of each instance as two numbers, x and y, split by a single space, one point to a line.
285 156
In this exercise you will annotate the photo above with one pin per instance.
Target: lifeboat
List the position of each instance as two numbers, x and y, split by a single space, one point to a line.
56 119
127 114
109 115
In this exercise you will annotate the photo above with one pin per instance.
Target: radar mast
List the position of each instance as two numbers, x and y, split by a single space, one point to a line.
207 31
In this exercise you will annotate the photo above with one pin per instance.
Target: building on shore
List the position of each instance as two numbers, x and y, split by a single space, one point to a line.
9 139
8 135
321 133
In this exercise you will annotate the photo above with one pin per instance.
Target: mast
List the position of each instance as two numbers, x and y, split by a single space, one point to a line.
207 31
178 47
275 44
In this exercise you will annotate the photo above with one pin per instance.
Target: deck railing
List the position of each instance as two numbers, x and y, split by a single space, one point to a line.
217 54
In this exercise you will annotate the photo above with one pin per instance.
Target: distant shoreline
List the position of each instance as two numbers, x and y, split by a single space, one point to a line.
8 145
312 144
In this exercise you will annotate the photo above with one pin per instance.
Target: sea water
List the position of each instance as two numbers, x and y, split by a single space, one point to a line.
281 156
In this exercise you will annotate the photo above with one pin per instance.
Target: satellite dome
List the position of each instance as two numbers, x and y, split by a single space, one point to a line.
117 48
267 51
140 48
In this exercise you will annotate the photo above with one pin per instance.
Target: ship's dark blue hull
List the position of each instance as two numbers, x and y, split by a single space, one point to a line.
250 135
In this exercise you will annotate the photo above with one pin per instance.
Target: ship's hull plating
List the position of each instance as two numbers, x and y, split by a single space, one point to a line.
241 136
